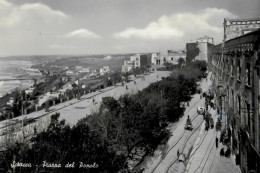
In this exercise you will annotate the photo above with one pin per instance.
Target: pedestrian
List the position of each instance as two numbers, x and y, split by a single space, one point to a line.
178 153
200 96
35 130
188 104
222 153
216 142
135 82
126 87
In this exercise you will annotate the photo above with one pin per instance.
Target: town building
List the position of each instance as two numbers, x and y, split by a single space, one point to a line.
134 61
32 71
84 70
139 60
128 66
199 49
29 90
145 60
156 60
235 66
237 27
104 70
152 59
10 102
78 67
173 56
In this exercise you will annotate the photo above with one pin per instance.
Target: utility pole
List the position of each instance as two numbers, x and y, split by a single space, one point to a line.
22 119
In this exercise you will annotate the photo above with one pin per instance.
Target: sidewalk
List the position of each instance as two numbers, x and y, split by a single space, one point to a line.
205 157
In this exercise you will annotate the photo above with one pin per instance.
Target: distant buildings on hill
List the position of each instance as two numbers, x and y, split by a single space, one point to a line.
152 59
32 71
84 70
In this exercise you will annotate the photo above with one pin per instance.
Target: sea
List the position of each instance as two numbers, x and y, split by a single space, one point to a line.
11 69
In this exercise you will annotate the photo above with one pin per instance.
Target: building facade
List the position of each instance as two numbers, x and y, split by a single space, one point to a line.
235 69
199 49
237 27
152 59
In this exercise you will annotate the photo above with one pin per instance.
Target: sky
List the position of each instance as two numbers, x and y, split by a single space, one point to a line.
50 27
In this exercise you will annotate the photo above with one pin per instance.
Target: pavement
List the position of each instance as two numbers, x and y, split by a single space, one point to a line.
205 156
74 110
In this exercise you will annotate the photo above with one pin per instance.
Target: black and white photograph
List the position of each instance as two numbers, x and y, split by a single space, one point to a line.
129 86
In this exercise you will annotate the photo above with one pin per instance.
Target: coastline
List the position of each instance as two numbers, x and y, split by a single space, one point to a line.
12 69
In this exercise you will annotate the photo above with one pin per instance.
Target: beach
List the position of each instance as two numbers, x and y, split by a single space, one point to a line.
11 69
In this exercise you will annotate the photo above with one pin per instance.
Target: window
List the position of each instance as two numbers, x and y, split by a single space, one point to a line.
238 70
248 116
232 68
239 106
227 93
248 75
232 98
227 66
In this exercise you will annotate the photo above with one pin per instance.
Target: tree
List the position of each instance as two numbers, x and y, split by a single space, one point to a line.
181 62
167 65
136 71
61 143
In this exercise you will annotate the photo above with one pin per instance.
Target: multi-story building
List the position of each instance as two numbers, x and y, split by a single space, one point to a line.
145 60
236 27
169 56
128 66
173 56
138 60
156 59
235 66
149 59
199 49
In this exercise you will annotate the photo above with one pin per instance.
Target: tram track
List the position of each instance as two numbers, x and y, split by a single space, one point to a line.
180 137
213 160
177 125
175 160
168 169
207 157
197 147
207 154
